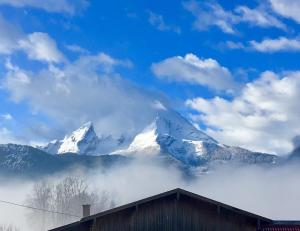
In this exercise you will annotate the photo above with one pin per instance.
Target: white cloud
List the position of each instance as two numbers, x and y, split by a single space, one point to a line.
258 17
77 49
89 89
276 45
281 44
209 13
6 116
9 36
193 70
287 8
7 136
60 6
39 46
158 21
234 45
264 117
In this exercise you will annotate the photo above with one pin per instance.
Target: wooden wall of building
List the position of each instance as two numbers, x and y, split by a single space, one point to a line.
155 215
198 215
175 213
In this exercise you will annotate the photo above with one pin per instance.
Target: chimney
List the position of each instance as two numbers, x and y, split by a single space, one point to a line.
86 210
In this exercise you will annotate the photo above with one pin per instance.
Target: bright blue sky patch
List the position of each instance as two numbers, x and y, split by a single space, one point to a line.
230 67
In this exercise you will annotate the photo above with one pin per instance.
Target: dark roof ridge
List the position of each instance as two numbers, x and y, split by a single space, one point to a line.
179 192
170 192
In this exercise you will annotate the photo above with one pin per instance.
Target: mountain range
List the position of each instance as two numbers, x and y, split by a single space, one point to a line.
27 161
169 137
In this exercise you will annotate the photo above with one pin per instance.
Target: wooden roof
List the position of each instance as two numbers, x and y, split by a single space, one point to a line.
179 192
282 227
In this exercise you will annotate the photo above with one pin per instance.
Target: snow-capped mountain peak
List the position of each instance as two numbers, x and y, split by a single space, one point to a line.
81 141
168 128
167 123
85 141
173 124
82 131
145 142
173 136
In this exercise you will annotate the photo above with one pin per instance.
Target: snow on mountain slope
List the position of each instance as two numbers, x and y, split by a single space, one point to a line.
84 141
168 135
172 135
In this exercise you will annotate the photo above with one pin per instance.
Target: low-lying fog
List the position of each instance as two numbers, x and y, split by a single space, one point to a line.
273 193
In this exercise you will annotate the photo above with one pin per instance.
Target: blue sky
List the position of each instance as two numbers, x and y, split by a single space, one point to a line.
230 67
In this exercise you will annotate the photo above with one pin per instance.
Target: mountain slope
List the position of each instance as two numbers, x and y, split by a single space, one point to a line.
172 135
25 161
84 141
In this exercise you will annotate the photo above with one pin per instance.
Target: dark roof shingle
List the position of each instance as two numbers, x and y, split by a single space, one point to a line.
281 227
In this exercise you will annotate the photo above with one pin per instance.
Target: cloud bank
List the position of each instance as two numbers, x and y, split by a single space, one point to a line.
263 117
87 89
